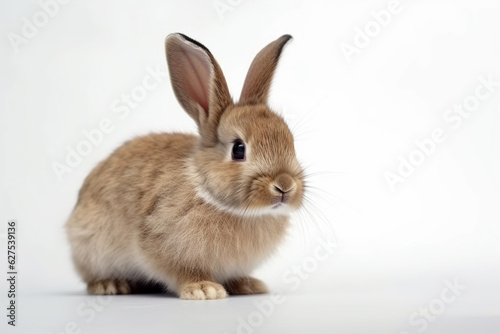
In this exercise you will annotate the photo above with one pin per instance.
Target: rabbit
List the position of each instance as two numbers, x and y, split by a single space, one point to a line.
195 214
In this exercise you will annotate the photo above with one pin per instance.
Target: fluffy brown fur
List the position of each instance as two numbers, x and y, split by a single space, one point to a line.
176 209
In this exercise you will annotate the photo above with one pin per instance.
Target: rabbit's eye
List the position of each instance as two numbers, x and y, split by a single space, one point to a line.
238 151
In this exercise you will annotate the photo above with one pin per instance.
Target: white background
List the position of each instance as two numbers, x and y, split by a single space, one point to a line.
353 118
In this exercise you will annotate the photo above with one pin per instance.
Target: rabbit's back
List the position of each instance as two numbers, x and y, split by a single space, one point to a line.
118 195
130 178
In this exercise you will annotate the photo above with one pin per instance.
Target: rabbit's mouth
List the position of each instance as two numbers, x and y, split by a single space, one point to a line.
279 206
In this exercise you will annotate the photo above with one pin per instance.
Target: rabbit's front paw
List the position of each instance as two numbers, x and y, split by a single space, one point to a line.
202 290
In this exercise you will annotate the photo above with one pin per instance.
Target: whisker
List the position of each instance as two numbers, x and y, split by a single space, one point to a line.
321 216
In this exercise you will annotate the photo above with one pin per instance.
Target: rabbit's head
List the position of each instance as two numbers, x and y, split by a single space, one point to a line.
245 160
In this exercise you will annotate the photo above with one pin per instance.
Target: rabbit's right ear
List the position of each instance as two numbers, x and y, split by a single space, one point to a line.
198 83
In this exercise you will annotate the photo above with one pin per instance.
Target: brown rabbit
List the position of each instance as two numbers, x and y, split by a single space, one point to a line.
194 213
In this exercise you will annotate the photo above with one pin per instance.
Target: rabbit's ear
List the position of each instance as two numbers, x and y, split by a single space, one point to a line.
260 74
198 83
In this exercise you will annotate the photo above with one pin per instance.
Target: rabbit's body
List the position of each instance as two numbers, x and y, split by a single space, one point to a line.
135 232
195 214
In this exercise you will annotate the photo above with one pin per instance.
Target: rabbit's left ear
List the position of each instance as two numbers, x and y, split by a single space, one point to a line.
260 74
198 83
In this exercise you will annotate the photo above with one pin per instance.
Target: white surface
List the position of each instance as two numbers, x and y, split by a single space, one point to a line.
312 313
352 121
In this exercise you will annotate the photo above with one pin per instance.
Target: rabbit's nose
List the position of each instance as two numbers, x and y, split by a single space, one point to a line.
284 185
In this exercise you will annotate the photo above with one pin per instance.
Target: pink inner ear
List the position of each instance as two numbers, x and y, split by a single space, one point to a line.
197 69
